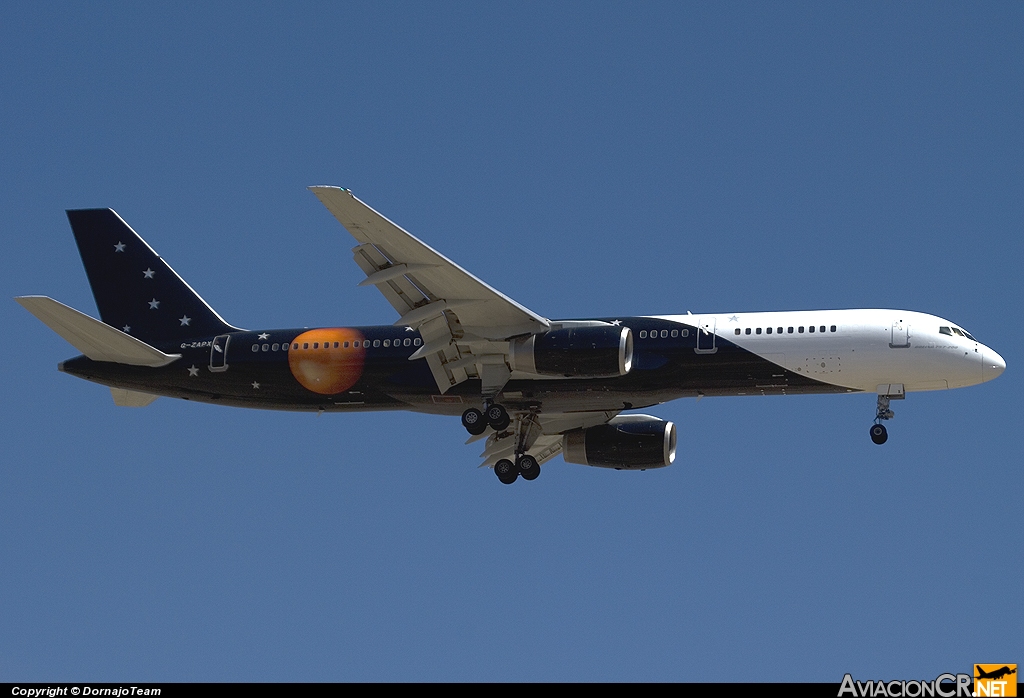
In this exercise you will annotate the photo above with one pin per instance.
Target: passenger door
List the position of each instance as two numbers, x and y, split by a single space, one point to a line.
219 353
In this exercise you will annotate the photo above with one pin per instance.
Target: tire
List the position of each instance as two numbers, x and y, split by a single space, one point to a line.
474 422
528 467
497 417
506 471
878 434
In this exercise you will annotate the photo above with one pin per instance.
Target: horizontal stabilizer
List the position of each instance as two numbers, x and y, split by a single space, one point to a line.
131 398
95 339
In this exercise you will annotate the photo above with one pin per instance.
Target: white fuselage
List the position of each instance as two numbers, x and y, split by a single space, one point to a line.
863 350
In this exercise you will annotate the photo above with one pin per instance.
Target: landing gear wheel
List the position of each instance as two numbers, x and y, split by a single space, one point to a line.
878 434
528 467
473 420
497 417
506 471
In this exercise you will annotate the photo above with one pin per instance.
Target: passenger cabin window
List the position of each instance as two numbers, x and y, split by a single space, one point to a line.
822 329
738 330
811 328
675 333
790 330
748 331
769 330
799 329
759 330
833 328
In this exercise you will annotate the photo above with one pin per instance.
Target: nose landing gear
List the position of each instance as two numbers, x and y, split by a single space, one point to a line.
879 435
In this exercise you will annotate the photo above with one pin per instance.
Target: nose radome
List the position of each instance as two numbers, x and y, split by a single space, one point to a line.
992 366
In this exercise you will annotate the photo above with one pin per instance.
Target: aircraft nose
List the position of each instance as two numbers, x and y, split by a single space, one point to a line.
992 365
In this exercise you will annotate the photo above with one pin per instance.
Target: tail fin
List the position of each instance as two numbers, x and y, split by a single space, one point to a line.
135 290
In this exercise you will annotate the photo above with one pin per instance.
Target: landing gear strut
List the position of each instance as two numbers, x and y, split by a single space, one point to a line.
527 428
878 433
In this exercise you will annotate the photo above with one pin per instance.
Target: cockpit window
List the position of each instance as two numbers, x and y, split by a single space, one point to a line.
968 335
956 330
946 330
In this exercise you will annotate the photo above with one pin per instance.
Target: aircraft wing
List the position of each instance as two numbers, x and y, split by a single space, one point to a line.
431 293
420 282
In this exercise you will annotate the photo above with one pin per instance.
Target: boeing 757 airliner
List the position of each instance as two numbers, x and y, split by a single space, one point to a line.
531 387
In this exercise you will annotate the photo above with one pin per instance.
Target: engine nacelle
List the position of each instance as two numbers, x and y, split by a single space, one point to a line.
627 442
581 352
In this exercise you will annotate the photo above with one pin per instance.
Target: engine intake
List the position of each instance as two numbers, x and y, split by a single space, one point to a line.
581 352
627 442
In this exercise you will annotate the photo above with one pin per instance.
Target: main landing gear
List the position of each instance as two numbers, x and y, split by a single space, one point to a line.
526 426
878 432
525 465
494 416
524 434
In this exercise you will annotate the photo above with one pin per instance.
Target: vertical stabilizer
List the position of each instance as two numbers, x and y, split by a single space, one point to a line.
135 290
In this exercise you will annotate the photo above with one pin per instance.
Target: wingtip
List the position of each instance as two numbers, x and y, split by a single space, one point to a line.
22 300
315 187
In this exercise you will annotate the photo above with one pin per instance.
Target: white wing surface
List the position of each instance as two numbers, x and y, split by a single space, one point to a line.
460 318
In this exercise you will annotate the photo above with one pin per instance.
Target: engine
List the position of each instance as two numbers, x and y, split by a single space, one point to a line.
582 352
627 442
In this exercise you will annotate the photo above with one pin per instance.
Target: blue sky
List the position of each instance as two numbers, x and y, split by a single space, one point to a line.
586 159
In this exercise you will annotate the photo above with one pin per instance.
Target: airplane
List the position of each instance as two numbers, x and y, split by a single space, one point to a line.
996 674
529 386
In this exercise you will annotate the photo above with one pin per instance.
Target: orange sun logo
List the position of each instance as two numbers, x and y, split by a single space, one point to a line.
327 361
